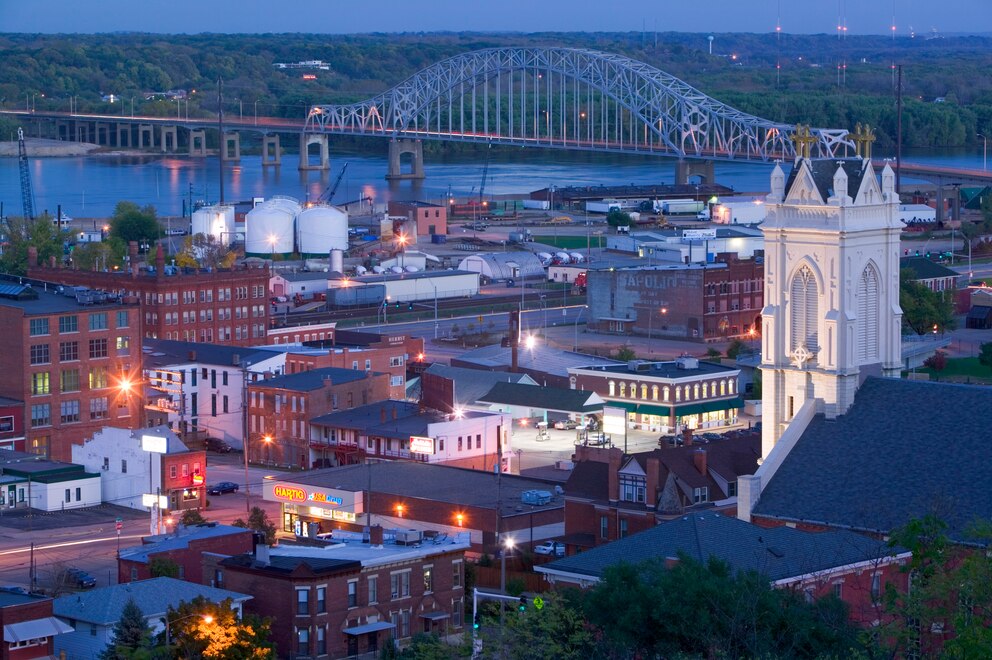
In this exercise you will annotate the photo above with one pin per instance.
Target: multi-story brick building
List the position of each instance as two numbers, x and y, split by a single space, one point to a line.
280 409
11 424
428 218
352 596
679 301
222 306
28 625
73 357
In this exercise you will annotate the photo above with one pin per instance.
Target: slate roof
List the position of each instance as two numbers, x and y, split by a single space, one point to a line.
904 449
823 170
410 419
473 384
178 541
925 269
103 606
777 552
314 379
558 399
163 352
441 483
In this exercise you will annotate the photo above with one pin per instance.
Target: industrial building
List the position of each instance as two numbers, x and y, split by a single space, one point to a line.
428 218
690 245
411 287
502 266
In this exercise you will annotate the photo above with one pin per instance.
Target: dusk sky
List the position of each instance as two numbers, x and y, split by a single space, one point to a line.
336 16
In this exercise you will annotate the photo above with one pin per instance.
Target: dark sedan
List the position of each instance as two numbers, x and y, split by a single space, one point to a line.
79 578
223 487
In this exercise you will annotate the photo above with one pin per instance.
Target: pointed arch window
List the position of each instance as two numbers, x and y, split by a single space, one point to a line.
804 313
867 302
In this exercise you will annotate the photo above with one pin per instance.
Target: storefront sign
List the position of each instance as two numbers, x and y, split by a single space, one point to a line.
614 420
698 234
296 494
197 479
421 445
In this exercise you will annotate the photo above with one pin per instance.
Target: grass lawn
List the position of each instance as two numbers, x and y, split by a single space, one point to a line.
568 242
961 370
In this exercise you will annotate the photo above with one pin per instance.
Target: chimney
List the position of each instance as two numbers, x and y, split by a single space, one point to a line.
687 437
382 415
159 262
236 360
615 458
132 251
192 356
375 536
262 554
394 412
51 262
32 256
699 460
652 470
514 339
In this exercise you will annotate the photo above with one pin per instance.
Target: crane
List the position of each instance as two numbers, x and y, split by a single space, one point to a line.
27 198
328 194
485 173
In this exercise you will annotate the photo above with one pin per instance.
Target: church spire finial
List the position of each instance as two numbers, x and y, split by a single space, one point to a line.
804 140
863 136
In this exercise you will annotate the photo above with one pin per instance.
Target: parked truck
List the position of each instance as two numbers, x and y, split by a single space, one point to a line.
603 206
682 207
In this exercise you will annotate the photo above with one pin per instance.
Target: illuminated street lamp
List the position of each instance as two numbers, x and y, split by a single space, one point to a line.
168 638
272 240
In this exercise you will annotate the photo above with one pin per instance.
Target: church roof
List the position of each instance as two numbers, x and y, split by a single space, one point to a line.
823 171
904 449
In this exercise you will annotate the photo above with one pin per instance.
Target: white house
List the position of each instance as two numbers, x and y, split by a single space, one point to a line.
200 387
34 481
94 613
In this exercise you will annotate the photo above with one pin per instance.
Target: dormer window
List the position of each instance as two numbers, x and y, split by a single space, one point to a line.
632 488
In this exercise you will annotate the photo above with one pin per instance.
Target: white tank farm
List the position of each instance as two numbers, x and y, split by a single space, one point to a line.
215 221
270 227
320 229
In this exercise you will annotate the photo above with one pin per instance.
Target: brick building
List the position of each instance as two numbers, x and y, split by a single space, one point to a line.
11 424
280 409
222 306
855 568
429 218
351 596
72 357
28 626
418 496
185 546
610 495
712 301
667 396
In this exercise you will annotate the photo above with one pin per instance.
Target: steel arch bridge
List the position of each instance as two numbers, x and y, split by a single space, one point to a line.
567 98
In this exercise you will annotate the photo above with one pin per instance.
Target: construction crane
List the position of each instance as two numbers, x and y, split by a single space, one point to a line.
328 194
27 197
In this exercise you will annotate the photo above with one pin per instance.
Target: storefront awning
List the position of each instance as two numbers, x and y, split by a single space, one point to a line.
649 409
629 406
35 629
435 616
369 627
709 406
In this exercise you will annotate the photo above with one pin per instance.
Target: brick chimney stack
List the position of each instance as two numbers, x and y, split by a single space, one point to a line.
51 262
615 457
687 437
32 256
382 415
159 262
699 460
132 251
375 535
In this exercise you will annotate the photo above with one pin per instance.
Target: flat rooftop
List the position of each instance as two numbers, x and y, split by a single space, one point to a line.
350 546
42 298
664 369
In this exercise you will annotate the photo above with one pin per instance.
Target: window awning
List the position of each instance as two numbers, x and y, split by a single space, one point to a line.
629 406
35 629
650 409
709 406
435 616
369 627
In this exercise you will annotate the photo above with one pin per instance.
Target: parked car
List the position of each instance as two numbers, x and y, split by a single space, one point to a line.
566 425
223 487
550 548
80 579
217 445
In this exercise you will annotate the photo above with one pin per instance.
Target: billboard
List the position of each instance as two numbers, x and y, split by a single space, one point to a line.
421 445
154 444
614 420
698 234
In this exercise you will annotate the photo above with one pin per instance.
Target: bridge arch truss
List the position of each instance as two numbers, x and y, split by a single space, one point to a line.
567 98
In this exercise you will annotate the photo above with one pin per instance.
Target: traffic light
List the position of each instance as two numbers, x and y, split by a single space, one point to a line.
905 252
478 621
917 253
398 305
928 255
523 604
410 306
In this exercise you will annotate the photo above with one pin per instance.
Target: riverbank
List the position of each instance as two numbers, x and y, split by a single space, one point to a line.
45 148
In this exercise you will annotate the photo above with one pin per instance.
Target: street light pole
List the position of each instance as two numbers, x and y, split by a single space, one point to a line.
985 151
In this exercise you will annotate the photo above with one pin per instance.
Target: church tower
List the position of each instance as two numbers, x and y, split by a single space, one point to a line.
832 314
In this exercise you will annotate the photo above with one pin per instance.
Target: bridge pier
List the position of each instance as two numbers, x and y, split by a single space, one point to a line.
82 131
166 132
230 146
396 150
146 130
271 152
320 139
197 142
104 129
686 169
123 131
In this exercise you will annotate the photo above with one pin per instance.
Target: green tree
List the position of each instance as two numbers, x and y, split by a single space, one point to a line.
557 630
430 647
131 223
203 629
258 520
985 356
40 233
625 354
617 218
735 348
192 517
923 309
756 385
132 636
163 567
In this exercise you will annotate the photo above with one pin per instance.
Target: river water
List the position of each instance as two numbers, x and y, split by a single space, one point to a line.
90 187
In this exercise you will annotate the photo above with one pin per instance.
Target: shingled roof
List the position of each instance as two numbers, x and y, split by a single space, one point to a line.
904 449
925 269
779 553
823 171
557 399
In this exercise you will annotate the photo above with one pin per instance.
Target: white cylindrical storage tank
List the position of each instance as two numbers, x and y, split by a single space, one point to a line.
270 227
336 262
544 256
361 270
215 221
378 270
321 229
577 257
411 269
396 269
563 256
